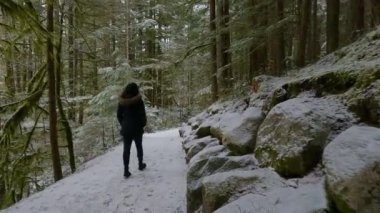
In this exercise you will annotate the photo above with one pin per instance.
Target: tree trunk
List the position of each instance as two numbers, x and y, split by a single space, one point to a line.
113 36
26 65
9 79
81 86
301 49
95 66
127 26
75 88
225 55
332 28
52 93
375 12
280 42
214 69
2 191
151 54
30 58
313 44
257 50
356 18
63 119
71 56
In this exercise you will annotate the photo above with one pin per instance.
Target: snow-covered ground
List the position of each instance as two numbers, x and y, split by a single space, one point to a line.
99 186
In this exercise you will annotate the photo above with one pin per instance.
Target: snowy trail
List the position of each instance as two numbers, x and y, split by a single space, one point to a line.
100 186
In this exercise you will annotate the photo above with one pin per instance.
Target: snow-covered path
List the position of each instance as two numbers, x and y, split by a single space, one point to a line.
100 186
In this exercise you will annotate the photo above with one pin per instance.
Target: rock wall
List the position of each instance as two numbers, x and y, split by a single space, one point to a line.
309 142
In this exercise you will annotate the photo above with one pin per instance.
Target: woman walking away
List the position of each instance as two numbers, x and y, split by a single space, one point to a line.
132 118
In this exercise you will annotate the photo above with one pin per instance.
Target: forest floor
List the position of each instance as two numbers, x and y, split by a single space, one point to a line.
99 185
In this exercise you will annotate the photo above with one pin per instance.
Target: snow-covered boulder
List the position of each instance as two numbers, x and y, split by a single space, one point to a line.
238 131
196 121
221 188
189 143
208 152
352 166
184 131
364 99
292 137
197 147
210 166
303 199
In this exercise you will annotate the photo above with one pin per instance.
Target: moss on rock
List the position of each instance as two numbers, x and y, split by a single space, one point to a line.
364 101
203 131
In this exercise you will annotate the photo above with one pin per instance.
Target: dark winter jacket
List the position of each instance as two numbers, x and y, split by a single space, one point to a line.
131 115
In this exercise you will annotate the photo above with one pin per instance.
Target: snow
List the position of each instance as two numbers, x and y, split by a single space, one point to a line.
311 115
260 180
305 198
79 99
99 185
351 152
206 153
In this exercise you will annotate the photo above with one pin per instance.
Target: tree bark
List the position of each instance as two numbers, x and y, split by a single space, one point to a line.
225 67
30 59
258 48
113 36
332 25
81 86
356 18
214 69
313 44
26 65
127 26
95 65
375 12
301 49
52 93
71 47
280 42
9 78
63 119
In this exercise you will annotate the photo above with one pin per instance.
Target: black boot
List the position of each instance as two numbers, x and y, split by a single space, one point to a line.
142 166
126 173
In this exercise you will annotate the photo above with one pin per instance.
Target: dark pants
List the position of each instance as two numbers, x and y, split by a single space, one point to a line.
127 148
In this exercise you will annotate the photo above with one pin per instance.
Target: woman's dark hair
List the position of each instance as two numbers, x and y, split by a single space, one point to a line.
131 90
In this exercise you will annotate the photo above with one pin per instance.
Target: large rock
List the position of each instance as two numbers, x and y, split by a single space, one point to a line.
184 131
220 188
190 142
197 120
208 152
238 131
309 198
198 162
210 166
352 166
241 138
197 147
292 137
364 99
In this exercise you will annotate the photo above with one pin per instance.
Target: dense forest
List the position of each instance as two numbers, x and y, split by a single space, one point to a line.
63 64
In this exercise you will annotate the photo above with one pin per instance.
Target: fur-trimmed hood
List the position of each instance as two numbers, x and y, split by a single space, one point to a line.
129 101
